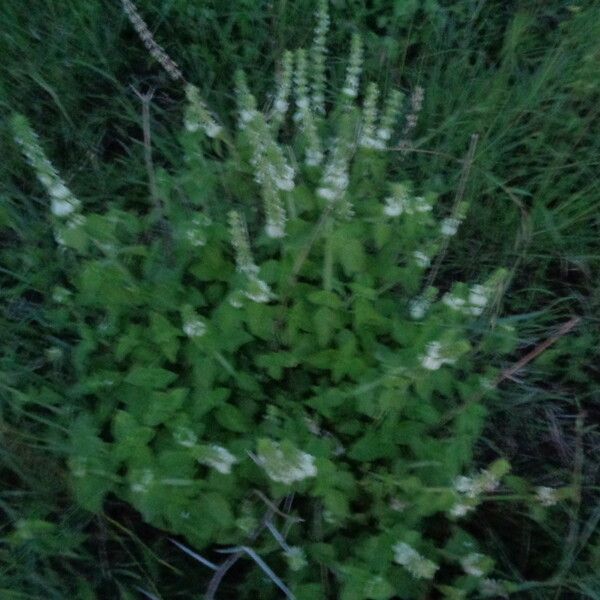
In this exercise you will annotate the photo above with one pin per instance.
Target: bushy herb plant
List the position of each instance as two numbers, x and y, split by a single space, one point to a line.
260 359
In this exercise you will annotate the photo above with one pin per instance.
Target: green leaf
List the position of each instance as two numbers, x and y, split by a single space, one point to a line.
233 418
153 378
165 335
163 405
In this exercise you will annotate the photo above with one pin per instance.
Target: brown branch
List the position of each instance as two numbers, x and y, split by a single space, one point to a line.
562 331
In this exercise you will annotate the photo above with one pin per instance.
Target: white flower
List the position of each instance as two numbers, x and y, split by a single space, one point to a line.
394 206
296 558
433 360
285 463
63 207
247 115
449 226
421 205
212 129
194 328
142 481
327 193
275 230
281 105
417 565
185 437
59 190
464 485
546 495
478 297
218 458
418 308
60 294
472 564
258 290
460 510
421 258
384 134
313 157
453 302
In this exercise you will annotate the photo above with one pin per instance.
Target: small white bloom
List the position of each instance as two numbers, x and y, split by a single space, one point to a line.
142 482
417 565
218 458
194 328
275 230
546 495
313 158
296 558
281 105
185 437
285 464
59 191
472 564
460 510
421 258
327 193
394 206
63 207
434 359
384 134
453 302
449 226
258 290
418 308
421 205
212 129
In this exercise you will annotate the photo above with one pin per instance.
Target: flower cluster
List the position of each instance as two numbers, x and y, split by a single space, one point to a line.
354 70
400 201
284 463
416 104
284 88
473 304
318 54
435 356
367 138
416 564
272 171
256 289
197 116
470 490
215 457
64 204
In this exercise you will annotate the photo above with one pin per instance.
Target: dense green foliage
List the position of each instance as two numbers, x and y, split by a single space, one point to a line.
114 308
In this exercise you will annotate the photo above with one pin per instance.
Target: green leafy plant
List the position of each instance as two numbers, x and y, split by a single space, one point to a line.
262 360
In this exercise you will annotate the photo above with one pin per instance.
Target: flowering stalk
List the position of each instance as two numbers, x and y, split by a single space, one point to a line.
352 82
284 88
416 104
197 115
272 171
244 260
157 52
367 138
389 116
301 86
318 53
64 203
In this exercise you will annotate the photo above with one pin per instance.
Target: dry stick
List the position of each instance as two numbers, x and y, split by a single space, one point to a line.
563 330
460 192
508 373
146 99
157 51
